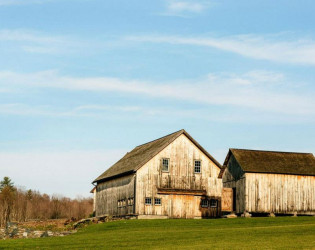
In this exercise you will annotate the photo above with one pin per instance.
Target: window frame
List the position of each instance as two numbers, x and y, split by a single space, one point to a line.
216 203
204 205
168 165
157 204
145 201
130 201
199 166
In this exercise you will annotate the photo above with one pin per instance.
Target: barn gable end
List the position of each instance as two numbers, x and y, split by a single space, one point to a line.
137 185
180 189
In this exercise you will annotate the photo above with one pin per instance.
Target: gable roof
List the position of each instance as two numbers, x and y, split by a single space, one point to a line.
257 161
141 154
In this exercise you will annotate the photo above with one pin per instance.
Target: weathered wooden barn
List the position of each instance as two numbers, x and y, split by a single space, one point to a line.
270 182
171 177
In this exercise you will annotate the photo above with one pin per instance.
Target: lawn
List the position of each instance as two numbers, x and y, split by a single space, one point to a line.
239 233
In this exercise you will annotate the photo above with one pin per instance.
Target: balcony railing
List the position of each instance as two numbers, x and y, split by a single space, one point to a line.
180 182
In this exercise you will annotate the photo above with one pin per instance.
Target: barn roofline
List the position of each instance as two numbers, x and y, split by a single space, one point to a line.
179 133
264 172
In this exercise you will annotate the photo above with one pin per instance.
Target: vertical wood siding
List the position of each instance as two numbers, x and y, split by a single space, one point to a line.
280 193
234 177
181 153
270 193
110 192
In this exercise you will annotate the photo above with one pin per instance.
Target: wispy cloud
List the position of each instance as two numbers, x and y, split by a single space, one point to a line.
255 90
37 42
22 2
277 48
79 111
185 7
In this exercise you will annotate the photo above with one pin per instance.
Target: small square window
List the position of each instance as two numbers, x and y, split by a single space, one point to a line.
165 165
213 203
197 166
204 203
157 201
148 201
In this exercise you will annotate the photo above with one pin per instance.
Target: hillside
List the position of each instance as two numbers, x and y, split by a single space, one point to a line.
249 233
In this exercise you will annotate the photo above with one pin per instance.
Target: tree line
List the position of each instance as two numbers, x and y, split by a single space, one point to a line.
17 204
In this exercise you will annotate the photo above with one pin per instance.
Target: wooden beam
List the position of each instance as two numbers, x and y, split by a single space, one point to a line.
181 191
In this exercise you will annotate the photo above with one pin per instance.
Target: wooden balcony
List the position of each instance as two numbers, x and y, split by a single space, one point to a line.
190 185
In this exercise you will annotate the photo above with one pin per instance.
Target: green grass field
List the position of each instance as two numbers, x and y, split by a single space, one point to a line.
240 233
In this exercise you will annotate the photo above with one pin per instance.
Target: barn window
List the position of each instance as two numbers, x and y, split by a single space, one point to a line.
213 203
165 164
204 203
197 166
119 203
123 203
157 201
148 201
130 201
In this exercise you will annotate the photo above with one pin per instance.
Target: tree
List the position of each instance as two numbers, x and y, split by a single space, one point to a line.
6 182
7 192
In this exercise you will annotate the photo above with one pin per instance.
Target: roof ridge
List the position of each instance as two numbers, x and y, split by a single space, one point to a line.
141 154
269 151
181 130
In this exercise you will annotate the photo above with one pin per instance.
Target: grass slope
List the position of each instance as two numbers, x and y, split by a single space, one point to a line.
240 233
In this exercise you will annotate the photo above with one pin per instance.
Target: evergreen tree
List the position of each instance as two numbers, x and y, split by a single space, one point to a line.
6 182
7 193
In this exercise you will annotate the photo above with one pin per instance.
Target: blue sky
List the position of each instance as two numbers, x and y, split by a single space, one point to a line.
82 82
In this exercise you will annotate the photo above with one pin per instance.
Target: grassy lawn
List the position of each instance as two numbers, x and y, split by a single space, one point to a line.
240 233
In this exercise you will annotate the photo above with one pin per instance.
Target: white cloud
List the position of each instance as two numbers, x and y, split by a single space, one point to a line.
36 42
184 8
272 48
46 110
69 173
22 2
255 90
179 6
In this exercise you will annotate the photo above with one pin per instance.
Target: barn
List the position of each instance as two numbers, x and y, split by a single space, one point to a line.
269 182
170 177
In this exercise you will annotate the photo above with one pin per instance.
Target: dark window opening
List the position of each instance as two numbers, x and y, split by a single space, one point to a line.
157 201
197 166
165 165
204 203
213 203
148 201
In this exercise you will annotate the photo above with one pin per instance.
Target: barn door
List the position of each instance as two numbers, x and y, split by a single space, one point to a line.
227 200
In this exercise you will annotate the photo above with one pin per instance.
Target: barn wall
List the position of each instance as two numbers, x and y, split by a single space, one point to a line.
279 193
110 192
234 177
182 153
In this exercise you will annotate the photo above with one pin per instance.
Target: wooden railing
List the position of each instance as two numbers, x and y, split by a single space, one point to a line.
180 182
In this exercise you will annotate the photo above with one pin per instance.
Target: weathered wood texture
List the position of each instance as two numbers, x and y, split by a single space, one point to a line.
279 193
227 200
181 176
234 177
110 193
270 193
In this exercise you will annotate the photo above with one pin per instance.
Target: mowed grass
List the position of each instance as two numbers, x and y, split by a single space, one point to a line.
239 233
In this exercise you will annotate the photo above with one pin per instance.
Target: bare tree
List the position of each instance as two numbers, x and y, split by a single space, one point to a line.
18 204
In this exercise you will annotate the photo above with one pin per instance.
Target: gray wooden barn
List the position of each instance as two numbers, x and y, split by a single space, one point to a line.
171 177
270 182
